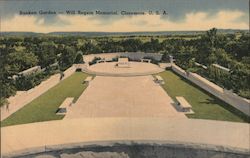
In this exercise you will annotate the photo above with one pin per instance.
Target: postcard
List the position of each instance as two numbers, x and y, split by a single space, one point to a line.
124 79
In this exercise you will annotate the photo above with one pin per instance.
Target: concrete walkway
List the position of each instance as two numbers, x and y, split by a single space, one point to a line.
24 97
204 132
123 97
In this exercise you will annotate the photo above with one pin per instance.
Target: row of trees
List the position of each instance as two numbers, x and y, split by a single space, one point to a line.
18 54
228 50
129 45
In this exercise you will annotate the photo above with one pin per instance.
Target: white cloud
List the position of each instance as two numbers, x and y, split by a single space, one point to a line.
193 21
40 21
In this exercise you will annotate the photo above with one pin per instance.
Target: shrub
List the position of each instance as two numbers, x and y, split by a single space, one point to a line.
245 93
24 83
153 61
78 69
94 60
115 59
79 59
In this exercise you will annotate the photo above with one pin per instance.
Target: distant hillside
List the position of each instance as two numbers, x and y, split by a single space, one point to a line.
88 34
126 33
20 34
140 33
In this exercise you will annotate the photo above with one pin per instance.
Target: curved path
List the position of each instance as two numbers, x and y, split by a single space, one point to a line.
54 135
135 69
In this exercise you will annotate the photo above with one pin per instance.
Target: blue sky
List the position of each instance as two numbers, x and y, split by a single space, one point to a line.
182 15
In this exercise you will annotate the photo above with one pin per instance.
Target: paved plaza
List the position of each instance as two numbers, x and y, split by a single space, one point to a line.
123 97
134 68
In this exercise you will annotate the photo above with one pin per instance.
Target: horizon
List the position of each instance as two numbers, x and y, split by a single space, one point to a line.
158 15
124 31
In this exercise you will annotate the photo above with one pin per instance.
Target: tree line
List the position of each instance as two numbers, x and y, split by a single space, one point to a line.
228 50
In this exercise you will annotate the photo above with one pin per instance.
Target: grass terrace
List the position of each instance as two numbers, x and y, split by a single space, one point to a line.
45 106
203 104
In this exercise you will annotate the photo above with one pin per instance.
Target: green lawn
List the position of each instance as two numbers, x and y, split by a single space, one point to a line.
203 104
44 107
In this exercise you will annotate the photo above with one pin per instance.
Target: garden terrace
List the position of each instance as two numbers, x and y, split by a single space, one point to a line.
44 107
204 105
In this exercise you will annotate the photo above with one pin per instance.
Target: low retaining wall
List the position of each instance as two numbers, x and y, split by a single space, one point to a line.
24 97
183 136
120 74
233 99
131 55
131 149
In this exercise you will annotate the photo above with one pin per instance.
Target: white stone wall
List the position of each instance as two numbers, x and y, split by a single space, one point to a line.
132 55
233 99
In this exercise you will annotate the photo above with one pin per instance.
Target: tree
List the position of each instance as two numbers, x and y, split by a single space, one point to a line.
223 58
6 90
79 58
19 61
131 45
6 85
165 57
240 79
67 58
47 54
212 36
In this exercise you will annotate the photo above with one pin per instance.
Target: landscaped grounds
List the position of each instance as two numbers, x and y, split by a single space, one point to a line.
124 97
45 106
203 104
